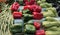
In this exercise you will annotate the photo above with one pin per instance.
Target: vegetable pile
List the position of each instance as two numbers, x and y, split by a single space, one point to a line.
29 17
6 20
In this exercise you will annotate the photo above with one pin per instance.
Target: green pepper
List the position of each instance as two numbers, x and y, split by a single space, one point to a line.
27 17
30 22
30 29
16 29
26 11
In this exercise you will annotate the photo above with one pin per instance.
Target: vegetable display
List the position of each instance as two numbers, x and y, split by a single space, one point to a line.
29 17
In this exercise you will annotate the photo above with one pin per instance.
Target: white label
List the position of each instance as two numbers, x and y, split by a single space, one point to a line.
18 21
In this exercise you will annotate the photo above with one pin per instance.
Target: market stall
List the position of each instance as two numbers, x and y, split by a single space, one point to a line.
29 17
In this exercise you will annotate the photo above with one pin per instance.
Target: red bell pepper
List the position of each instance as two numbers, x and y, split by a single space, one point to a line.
26 3
38 9
37 15
26 7
29 2
17 15
37 25
32 2
15 6
35 8
40 32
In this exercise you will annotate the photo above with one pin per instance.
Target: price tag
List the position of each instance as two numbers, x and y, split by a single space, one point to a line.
18 21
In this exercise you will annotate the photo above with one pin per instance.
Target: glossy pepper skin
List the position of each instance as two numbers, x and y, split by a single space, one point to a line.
30 29
15 6
29 2
17 15
37 25
35 8
27 17
37 15
40 32
16 28
26 7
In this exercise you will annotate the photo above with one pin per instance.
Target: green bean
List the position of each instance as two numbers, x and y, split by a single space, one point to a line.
6 19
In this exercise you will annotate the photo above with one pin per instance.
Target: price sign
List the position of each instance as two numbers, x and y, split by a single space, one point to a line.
18 21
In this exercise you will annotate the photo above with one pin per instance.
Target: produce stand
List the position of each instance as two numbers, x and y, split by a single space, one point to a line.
29 17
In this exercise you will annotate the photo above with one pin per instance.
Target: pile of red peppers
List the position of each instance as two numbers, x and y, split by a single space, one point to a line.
34 9
14 7
39 31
